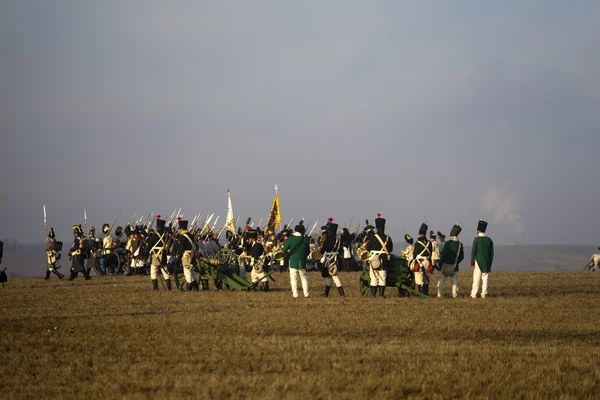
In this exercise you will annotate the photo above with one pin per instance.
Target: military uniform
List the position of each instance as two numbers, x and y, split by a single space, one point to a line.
77 254
421 262
482 256
380 245
186 249
299 245
256 253
330 248
53 255
452 255
158 255
435 248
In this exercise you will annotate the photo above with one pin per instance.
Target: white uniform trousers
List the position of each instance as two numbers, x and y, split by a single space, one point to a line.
421 278
378 276
442 284
294 272
257 276
155 267
188 268
333 278
479 276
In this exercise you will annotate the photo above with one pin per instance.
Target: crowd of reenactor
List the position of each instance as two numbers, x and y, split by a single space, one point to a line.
158 248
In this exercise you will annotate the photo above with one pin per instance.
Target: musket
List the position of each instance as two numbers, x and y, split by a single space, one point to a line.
350 224
260 222
290 223
113 224
215 223
45 225
313 228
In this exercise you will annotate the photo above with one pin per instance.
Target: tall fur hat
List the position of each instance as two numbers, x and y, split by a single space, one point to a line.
380 223
423 229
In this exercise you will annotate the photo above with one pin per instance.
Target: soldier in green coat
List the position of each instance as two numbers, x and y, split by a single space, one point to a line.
452 255
297 247
482 255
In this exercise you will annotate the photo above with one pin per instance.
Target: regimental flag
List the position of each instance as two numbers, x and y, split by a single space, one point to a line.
275 214
230 222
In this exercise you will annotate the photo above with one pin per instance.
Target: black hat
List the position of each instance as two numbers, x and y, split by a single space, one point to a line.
423 229
119 230
441 235
229 235
300 228
380 223
160 224
408 239
105 228
332 228
129 230
183 224
51 233
368 227
432 235
77 229
455 231
252 234
482 226
92 231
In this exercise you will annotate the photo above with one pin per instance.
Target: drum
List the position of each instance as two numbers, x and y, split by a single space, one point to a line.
363 253
315 254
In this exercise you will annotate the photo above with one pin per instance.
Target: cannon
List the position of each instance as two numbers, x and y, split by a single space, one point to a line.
399 276
223 269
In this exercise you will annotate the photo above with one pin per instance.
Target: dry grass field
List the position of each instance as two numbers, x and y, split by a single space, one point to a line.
536 336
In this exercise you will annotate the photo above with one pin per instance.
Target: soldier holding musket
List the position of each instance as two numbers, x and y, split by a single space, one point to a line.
158 254
256 254
53 249
380 247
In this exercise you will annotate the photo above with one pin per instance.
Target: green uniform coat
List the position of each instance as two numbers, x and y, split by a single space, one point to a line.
298 259
482 253
449 253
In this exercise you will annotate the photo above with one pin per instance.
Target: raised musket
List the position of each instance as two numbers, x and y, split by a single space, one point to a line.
313 228
84 223
45 224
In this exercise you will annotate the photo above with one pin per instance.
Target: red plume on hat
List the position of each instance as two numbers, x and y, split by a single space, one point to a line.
158 216
248 227
378 215
330 220
178 219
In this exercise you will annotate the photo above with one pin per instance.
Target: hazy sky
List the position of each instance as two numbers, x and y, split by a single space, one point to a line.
444 111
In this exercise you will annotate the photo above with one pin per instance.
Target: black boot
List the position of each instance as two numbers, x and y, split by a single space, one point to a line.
88 271
195 286
169 285
381 290
188 287
341 291
155 284
47 275
373 291
86 275
60 276
327 289
266 286
73 275
426 289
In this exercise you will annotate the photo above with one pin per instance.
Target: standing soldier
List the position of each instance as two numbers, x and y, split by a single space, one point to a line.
186 249
53 249
435 248
94 245
421 263
330 247
452 255
77 254
482 255
407 253
380 245
256 253
107 246
297 249
157 244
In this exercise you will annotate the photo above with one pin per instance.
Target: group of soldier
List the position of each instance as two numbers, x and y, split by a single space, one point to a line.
259 251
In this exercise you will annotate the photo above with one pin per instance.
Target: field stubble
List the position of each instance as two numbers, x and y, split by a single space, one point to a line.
536 336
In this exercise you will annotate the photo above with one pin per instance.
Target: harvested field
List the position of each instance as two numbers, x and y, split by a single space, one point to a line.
536 336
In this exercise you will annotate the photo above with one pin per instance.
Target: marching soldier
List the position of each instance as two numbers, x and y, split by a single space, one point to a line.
53 249
186 249
421 263
330 247
108 244
256 254
77 254
297 249
482 255
452 255
380 245
157 244
94 244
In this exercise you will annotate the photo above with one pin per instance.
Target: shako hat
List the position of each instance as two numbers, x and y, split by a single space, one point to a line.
326 226
160 224
332 227
300 228
380 223
119 230
183 224
482 225
368 226
408 239
51 233
252 234
423 229
455 231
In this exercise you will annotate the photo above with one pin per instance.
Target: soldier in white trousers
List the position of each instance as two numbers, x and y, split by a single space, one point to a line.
451 256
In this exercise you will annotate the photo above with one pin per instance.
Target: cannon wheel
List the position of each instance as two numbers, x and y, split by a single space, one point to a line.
365 282
116 268
179 277
229 261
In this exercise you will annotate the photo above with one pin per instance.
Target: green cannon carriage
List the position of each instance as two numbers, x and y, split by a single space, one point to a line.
399 276
224 270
